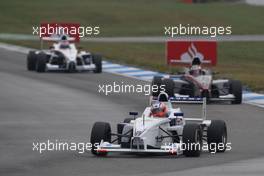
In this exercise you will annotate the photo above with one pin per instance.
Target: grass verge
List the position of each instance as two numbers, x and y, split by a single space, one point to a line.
129 18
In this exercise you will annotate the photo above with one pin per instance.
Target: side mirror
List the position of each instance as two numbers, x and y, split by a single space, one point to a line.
133 114
177 114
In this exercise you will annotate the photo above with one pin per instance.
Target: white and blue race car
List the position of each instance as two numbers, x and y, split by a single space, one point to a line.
63 56
169 135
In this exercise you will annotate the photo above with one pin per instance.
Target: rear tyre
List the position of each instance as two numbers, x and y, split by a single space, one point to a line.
169 87
31 61
97 60
217 136
157 82
100 131
236 90
187 89
41 62
192 139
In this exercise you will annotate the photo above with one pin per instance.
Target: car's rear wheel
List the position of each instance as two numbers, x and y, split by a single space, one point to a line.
217 136
97 60
187 89
192 140
41 62
100 131
157 82
31 60
236 90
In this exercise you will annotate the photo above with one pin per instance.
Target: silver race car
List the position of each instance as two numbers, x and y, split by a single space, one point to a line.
63 56
171 134
198 82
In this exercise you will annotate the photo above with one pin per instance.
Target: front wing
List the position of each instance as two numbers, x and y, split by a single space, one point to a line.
106 147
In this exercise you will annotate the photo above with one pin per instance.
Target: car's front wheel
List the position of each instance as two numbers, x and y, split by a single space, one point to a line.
217 136
97 60
236 90
100 131
31 60
192 140
41 62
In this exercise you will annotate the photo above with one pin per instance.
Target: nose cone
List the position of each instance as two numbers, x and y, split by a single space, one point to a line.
72 67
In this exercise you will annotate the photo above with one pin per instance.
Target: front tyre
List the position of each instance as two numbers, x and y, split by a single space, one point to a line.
192 139
100 131
217 136
97 60
236 90
41 62
31 61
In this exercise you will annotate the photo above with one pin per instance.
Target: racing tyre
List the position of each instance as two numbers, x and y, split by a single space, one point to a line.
236 90
100 131
157 82
187 89
192 139
31 61
41 62
169 87
217 136
97 60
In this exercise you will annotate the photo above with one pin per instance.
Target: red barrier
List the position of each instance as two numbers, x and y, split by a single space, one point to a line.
183 52
187 1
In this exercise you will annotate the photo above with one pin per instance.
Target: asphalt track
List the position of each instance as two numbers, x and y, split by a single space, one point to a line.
37 107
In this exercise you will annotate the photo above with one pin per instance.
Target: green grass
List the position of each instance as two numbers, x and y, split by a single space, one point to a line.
129 17
238 60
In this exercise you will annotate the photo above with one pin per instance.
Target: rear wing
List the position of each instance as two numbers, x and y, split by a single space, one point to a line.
57 38
191 100
52 32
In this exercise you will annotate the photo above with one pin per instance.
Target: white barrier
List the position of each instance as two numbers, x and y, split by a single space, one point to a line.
255 2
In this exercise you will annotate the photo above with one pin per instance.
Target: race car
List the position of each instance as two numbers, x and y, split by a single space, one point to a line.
198 82
63 56
165 135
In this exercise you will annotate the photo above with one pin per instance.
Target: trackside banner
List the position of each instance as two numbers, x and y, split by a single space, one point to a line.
182 52
51 29
187 1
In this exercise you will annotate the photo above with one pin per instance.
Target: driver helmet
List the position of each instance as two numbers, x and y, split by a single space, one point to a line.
159 109
196 69
64 43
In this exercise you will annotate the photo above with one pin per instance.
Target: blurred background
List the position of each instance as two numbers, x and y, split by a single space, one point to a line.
238 59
